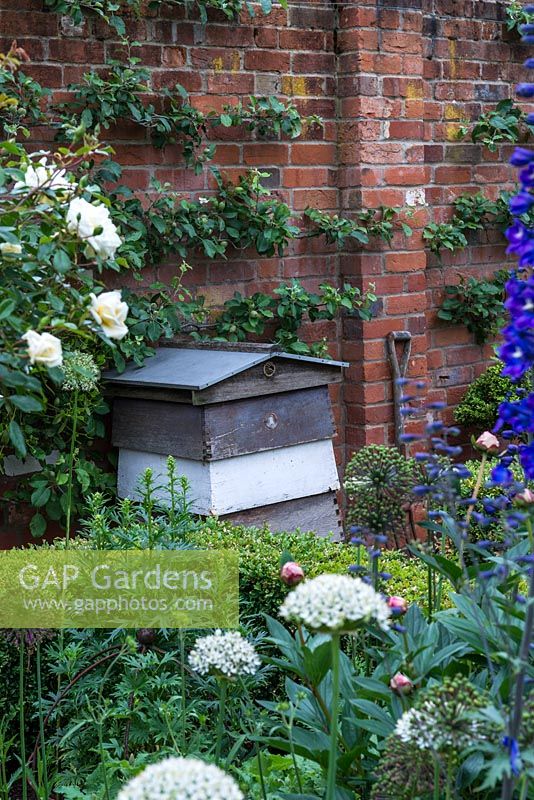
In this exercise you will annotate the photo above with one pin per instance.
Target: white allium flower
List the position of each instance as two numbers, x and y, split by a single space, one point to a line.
109 310
84 218
181 779
10 249
409 729
81 372
44 176
425 728
227 655
335 603
43 348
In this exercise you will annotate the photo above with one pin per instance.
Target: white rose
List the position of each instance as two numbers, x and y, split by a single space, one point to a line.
43 348
10 249
110 311
84 218
44 175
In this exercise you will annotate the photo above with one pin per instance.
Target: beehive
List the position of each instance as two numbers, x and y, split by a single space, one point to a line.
250 429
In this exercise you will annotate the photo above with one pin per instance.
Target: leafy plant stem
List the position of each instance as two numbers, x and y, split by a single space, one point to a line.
430 581
4 748
439 593
102 758
332 757
448 788
41 718
516 716
292 750
478 484
182 691
24 772
71 468
223 692
436 779
260 772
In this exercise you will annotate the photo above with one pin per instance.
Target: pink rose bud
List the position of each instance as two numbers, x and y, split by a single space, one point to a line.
401 684
397 605
524 498
292 573
488 442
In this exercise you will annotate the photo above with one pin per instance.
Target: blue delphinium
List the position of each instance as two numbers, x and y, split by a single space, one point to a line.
516 418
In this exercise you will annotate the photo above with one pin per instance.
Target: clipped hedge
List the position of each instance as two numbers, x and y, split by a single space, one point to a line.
479 406
260 550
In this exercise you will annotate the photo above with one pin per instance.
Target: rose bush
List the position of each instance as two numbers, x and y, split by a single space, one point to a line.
56 238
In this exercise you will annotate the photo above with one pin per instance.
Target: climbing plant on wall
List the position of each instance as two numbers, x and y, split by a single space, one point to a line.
55 345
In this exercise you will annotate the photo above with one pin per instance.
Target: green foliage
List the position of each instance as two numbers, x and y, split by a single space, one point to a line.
20 95
335 228
278 773
241 216
260 587
516 15
285 311
476 303
379 482
479 406
133 524
370 223
472 212
446 235
48 279
406 771
504 124
110 10
119 94
495 530
252 216
380 222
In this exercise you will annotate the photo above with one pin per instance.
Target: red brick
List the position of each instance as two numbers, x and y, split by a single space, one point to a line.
230 83
313 153
265 154
267 61
407 176
174 56
302 40
405 262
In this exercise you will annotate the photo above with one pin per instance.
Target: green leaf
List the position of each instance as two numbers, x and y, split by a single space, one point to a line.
16 437
86 117
7 307
61 261
25 402
37 525
226 120
40 496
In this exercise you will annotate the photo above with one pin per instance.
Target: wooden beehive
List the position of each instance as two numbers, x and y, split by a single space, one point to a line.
251 429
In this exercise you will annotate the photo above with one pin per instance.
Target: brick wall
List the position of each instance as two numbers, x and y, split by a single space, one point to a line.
471 62
391 79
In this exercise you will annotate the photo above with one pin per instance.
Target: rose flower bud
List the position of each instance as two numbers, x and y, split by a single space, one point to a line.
291 573
401 684
488 443
398 605
524 498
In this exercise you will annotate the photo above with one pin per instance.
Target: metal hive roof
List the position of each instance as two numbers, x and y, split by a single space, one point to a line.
196 369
